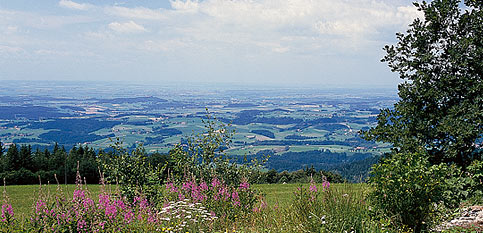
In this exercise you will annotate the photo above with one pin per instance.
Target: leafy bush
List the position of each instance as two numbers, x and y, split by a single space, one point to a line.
475 171
406 188
131 172
204 156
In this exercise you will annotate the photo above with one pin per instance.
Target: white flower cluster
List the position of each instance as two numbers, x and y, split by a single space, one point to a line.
185 214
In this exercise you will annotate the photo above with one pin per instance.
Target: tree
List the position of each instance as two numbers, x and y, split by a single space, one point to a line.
13 158
440 59
25 157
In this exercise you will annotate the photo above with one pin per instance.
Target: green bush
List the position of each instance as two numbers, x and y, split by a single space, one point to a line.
131 172
475 171
407 189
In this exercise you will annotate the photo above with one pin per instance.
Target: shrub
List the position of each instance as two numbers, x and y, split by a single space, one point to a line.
203 155
131 172
475 171
406 189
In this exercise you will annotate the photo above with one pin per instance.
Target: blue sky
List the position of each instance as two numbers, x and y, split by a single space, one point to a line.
326 43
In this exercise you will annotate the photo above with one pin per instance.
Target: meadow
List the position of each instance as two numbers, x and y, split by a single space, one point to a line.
23 197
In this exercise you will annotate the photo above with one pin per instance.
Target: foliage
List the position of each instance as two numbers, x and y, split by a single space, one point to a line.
406 187
204 156
300 176
475 173
131 172
440 59
438 121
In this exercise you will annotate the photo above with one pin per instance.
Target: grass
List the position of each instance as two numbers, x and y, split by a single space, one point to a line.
22 197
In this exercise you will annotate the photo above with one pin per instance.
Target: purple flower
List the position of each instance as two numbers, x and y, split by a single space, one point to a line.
215 182
203 186
7 212
313 187
244 185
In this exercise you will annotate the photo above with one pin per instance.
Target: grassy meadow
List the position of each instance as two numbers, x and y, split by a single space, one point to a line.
23 197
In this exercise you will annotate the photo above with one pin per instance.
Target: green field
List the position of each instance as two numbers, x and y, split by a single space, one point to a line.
23 197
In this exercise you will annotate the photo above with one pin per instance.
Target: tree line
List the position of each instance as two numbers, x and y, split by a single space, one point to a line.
23 164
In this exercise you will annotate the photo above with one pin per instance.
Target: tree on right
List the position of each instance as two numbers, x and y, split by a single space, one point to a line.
440 60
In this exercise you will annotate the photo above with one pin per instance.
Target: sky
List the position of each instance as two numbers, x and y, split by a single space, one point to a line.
318 43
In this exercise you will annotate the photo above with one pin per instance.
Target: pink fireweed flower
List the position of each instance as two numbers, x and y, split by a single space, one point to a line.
326 185
10 210
244 185
121 204
151 219
313 187
7 212
236 203
234 195
81 224
111 211
128 216
215 182
143 203
203 186
187 186
103 201
79 194
39 207
235 198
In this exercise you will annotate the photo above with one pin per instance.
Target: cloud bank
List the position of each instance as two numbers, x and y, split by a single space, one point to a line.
279 40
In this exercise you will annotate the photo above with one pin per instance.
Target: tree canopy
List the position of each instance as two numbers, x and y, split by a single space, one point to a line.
440 59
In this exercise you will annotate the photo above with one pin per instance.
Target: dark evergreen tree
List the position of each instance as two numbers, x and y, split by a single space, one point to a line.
13 158
25 157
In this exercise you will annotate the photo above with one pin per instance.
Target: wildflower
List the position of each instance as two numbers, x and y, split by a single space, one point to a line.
244 185
111 211
313 187
81 224
7 212
128 216
203 186
215 182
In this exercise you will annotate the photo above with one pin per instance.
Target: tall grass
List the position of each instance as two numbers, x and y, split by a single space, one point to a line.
285 208
318 208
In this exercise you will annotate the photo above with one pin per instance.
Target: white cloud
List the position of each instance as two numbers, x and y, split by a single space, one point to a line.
251 23
263 33
74 5
186 6
136 13
128 27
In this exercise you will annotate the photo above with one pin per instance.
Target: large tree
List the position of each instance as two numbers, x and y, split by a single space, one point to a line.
440 59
